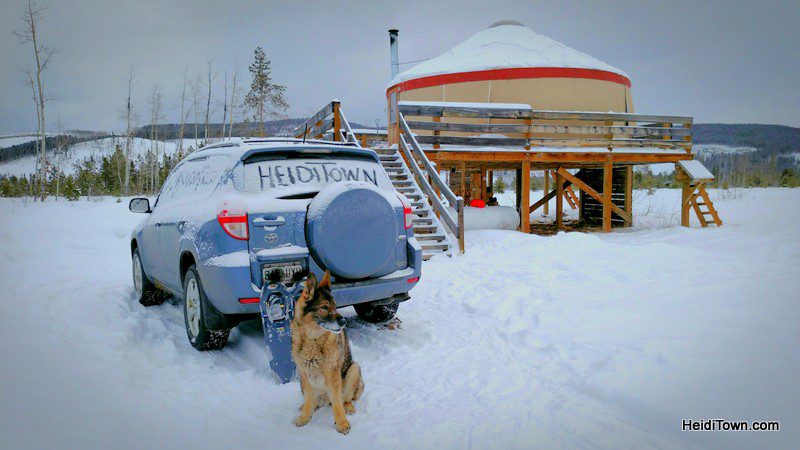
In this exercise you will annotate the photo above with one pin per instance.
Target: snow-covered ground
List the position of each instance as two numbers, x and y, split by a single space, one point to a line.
569 341
84 150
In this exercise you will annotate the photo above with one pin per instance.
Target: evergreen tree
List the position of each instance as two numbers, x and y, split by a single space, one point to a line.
265 99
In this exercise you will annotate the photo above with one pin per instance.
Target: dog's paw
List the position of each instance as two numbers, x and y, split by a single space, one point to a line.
349 408
343 426
301 420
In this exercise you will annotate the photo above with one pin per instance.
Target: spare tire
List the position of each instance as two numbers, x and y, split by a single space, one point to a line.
352 230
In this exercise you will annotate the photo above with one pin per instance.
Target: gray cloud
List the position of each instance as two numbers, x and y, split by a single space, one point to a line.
719 61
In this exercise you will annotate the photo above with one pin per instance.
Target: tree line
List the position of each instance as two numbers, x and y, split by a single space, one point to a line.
265 99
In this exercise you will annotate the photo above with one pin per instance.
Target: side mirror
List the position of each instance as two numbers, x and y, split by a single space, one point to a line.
139 205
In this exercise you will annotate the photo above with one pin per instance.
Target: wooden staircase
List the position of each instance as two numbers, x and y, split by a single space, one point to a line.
428 230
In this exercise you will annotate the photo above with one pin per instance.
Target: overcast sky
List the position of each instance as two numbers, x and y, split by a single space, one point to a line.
725 61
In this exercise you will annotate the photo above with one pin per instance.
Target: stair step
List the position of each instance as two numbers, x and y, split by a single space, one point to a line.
424 228
392 157
435 246
396 183
422 220
430 237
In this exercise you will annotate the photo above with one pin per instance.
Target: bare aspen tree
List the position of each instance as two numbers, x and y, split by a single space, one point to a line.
211 75
233 99
30 82
31 16
195 92
224 105
154 100
183 114
128 132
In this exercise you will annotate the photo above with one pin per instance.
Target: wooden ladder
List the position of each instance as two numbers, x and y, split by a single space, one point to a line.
700 193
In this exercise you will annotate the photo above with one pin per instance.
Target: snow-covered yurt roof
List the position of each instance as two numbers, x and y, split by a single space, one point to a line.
508 44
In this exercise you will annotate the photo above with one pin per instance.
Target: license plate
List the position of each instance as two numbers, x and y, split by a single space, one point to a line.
285 271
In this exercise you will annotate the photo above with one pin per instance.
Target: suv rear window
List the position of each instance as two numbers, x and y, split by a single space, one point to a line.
292 176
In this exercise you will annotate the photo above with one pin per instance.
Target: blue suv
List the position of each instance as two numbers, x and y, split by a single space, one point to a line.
233 216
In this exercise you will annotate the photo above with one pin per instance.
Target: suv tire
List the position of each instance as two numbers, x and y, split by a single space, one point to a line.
146 292
196 311
375 312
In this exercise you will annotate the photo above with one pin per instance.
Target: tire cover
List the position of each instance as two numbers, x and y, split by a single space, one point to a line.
351 229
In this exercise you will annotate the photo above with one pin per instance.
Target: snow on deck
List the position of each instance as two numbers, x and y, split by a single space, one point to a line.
505 46
574 340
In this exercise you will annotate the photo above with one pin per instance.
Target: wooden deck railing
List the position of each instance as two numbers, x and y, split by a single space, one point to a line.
330 120
526 127
414 156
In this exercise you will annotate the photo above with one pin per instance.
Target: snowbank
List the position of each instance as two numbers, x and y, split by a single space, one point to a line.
575 340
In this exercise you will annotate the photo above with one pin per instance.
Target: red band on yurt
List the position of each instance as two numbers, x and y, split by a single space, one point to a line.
510 74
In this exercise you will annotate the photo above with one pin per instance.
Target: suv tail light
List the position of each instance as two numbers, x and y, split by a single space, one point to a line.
234 224
407 213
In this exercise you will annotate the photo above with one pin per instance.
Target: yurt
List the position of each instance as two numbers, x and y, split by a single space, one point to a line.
510 63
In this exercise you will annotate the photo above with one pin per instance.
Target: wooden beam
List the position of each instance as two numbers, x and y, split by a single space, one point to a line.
686 194
337 120
546 191
463 181
615 117
435 133
525 198
608 170
559 202
550 142
597 196
629 193
617 130
555 158
462 111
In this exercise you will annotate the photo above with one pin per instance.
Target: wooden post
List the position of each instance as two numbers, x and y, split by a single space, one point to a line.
608 170
436 132
686 193
525 198
629 194
559 201
464 180
518 186
491 180
337 121
483 184
364 140
546 206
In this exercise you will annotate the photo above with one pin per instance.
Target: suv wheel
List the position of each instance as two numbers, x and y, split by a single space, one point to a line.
146 291
195 311
376 313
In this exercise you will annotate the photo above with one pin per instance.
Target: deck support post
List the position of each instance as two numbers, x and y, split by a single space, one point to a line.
464 180
608 170
525 198
629 194
559 201
546 191
686 193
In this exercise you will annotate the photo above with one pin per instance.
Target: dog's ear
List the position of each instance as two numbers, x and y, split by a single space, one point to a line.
326 280
308 293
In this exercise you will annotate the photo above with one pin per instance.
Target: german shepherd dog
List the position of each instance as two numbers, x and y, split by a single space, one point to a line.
328 374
